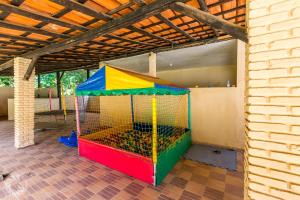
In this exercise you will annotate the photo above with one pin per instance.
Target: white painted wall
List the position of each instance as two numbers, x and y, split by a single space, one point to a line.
8 93
42 105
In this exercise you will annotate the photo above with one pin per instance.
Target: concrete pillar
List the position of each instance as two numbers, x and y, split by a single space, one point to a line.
272 156
24 104
152 64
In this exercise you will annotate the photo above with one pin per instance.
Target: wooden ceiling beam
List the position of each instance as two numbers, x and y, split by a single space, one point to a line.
11 52
57 67
92 53
80 53
17 43
168 48
111 45
73 5
99 49
142 31
30 68
190 22
140 2
120 42
47 19
82 1
4 14
88 11
204 7
199 32
217 14
43 23
232 29
218 3
170 23
89 49
65 62
182 15
14 48
15 37
10 25
17 2
51 56
78 60
111 26
88 54
127 40
120 8
117 50
62 13
81 8
174 38
42 68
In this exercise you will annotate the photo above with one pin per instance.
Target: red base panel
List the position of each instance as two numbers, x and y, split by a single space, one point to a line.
129 163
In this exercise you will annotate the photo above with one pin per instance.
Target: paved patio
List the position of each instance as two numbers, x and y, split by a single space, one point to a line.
50 170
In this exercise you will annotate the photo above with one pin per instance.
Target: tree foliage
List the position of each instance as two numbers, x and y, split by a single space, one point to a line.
6 81
69 80
47 80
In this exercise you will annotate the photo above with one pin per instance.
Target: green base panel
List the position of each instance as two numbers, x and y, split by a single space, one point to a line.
140 91
167 159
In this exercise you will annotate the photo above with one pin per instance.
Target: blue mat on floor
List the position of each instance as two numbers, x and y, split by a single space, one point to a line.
219 157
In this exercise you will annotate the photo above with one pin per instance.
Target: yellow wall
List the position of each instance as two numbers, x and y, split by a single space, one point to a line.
212 76
216 117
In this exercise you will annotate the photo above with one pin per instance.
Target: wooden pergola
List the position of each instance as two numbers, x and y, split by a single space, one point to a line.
60 35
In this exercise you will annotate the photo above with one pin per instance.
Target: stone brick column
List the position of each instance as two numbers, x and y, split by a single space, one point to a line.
24 104
273 100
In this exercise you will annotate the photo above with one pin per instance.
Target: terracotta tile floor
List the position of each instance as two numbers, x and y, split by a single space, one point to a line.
50 170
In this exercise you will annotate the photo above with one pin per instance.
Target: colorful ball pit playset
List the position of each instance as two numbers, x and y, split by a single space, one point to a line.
133 123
